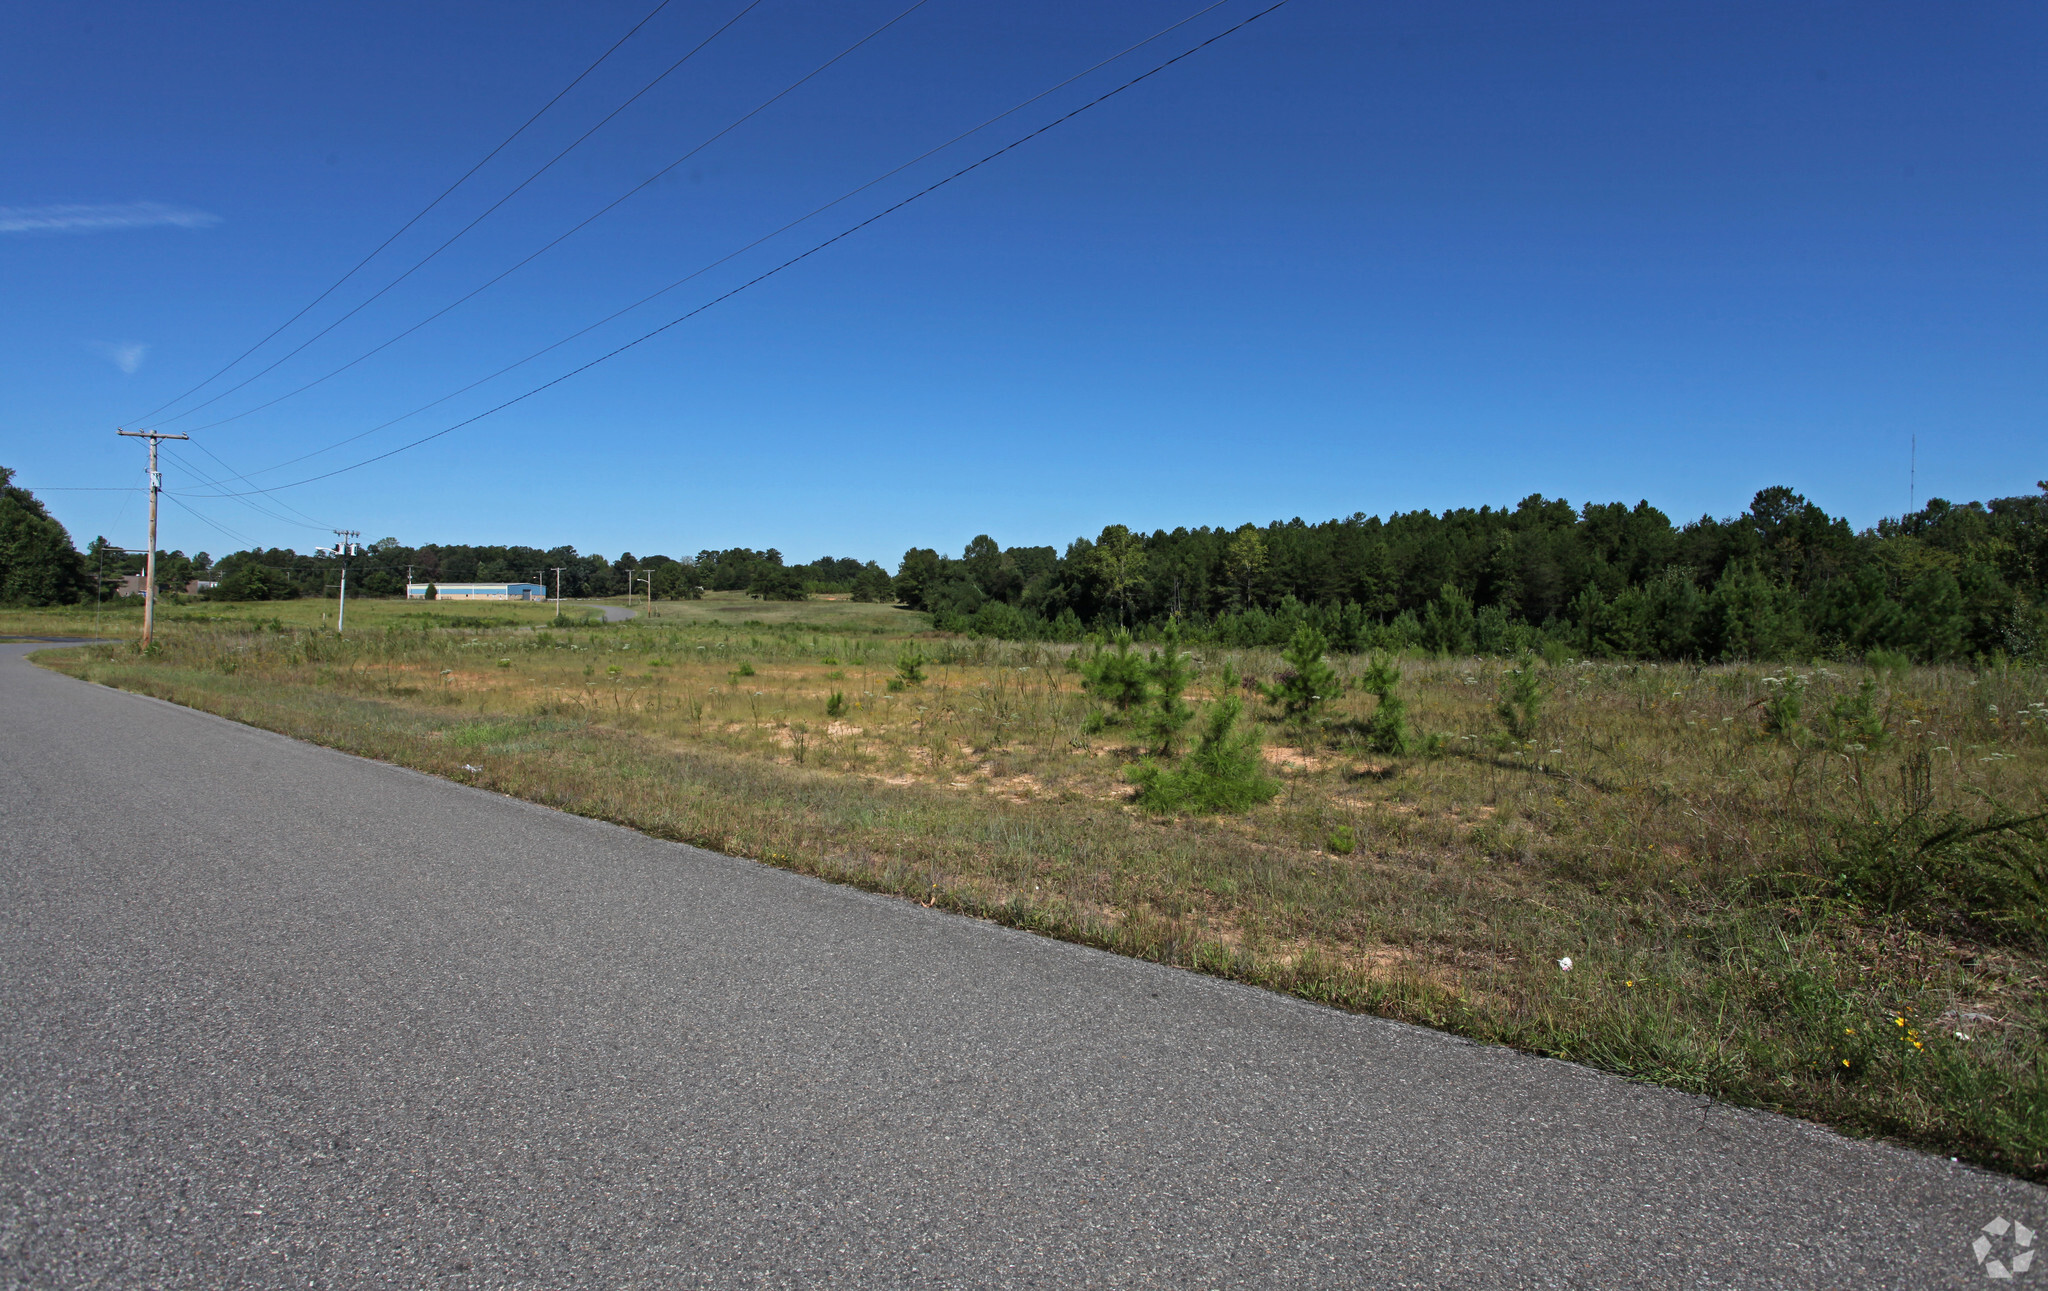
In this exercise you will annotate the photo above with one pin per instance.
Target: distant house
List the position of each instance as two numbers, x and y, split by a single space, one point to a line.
137 584
477 591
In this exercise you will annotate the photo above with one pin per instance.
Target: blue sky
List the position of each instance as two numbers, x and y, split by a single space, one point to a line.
1352 257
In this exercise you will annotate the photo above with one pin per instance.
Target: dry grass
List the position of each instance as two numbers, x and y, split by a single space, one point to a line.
1653 832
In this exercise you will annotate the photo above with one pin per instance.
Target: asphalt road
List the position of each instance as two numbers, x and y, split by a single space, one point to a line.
275 1016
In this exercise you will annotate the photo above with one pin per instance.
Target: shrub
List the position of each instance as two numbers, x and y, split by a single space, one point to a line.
836 704
1940 866
1343 840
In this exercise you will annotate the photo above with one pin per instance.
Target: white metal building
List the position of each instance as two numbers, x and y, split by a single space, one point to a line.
477 591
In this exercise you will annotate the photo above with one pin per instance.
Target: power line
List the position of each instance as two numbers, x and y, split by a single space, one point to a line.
735 124
793 260
241 538
304 521
706 268
487 212
663 4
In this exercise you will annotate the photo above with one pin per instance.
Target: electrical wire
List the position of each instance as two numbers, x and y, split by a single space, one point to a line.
417 217
487 212
793 260
813 213
304 521
241 538
563 237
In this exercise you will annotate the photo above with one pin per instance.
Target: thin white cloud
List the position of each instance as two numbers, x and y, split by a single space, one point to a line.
126 355
73 218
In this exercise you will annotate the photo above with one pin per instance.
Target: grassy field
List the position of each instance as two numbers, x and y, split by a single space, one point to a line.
1793 914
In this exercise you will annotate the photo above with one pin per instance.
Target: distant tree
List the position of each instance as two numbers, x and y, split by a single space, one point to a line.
254 581
1120 567
38 564
674 580
1448 623
1244 566
919 570
873 584
777 583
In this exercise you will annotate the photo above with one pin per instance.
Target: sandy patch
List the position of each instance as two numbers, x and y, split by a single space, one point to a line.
1293 759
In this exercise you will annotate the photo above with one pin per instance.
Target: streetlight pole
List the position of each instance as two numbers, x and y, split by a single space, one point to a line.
156 486
344 549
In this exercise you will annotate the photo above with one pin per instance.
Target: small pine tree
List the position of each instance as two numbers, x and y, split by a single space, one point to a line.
1168 673
1521 700
1854 719
1386 731
1782 706
1309 683
1119 678
909 669
1223 773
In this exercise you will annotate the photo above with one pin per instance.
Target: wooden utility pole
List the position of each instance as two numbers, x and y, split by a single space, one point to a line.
156 486
558 594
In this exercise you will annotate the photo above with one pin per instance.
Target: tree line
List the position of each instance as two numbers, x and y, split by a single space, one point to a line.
1783 579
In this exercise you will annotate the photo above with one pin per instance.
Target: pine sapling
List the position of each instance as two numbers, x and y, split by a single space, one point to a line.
1386 731
1119 678
1223 773
1521 700
1308 682
1168 673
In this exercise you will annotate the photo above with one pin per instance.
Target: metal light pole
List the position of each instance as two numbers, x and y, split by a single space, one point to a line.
347 547
156 486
